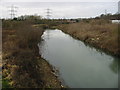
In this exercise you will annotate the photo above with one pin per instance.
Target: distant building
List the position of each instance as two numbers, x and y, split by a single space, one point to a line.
116 21
119 7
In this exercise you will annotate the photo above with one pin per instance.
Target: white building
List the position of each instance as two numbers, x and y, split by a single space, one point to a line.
116 21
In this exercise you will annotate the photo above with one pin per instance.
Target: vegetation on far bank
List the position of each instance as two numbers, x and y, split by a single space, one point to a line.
101 33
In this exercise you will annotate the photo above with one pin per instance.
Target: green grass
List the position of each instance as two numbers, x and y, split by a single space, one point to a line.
5 84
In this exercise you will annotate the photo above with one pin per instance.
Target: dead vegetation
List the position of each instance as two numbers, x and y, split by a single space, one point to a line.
23 67
99 33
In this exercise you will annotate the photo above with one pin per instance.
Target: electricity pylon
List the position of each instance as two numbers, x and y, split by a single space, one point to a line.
48 13
13 11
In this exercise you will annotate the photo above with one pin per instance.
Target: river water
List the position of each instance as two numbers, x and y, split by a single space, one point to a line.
79 65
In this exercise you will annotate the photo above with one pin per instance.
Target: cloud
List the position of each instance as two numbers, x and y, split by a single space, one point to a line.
63 9
60 0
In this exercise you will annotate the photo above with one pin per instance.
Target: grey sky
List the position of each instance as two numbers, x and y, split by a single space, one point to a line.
59 0
66 9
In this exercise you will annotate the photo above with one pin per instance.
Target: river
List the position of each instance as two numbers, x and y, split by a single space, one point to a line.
79 65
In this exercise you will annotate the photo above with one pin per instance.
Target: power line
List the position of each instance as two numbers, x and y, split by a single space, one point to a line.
105 12
13 11
48 13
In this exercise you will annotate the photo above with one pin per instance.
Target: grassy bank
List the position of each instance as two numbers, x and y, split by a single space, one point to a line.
98 33
22 66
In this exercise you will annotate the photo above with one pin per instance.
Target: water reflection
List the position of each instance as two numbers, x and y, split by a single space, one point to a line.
114 65
80 65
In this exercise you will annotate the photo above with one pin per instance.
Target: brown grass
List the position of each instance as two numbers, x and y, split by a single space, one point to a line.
22 64
99 33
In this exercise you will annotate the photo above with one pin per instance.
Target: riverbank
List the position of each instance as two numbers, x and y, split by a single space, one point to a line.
22 66
101 34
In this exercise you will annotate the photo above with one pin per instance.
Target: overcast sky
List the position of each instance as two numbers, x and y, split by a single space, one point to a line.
59 0
60 8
